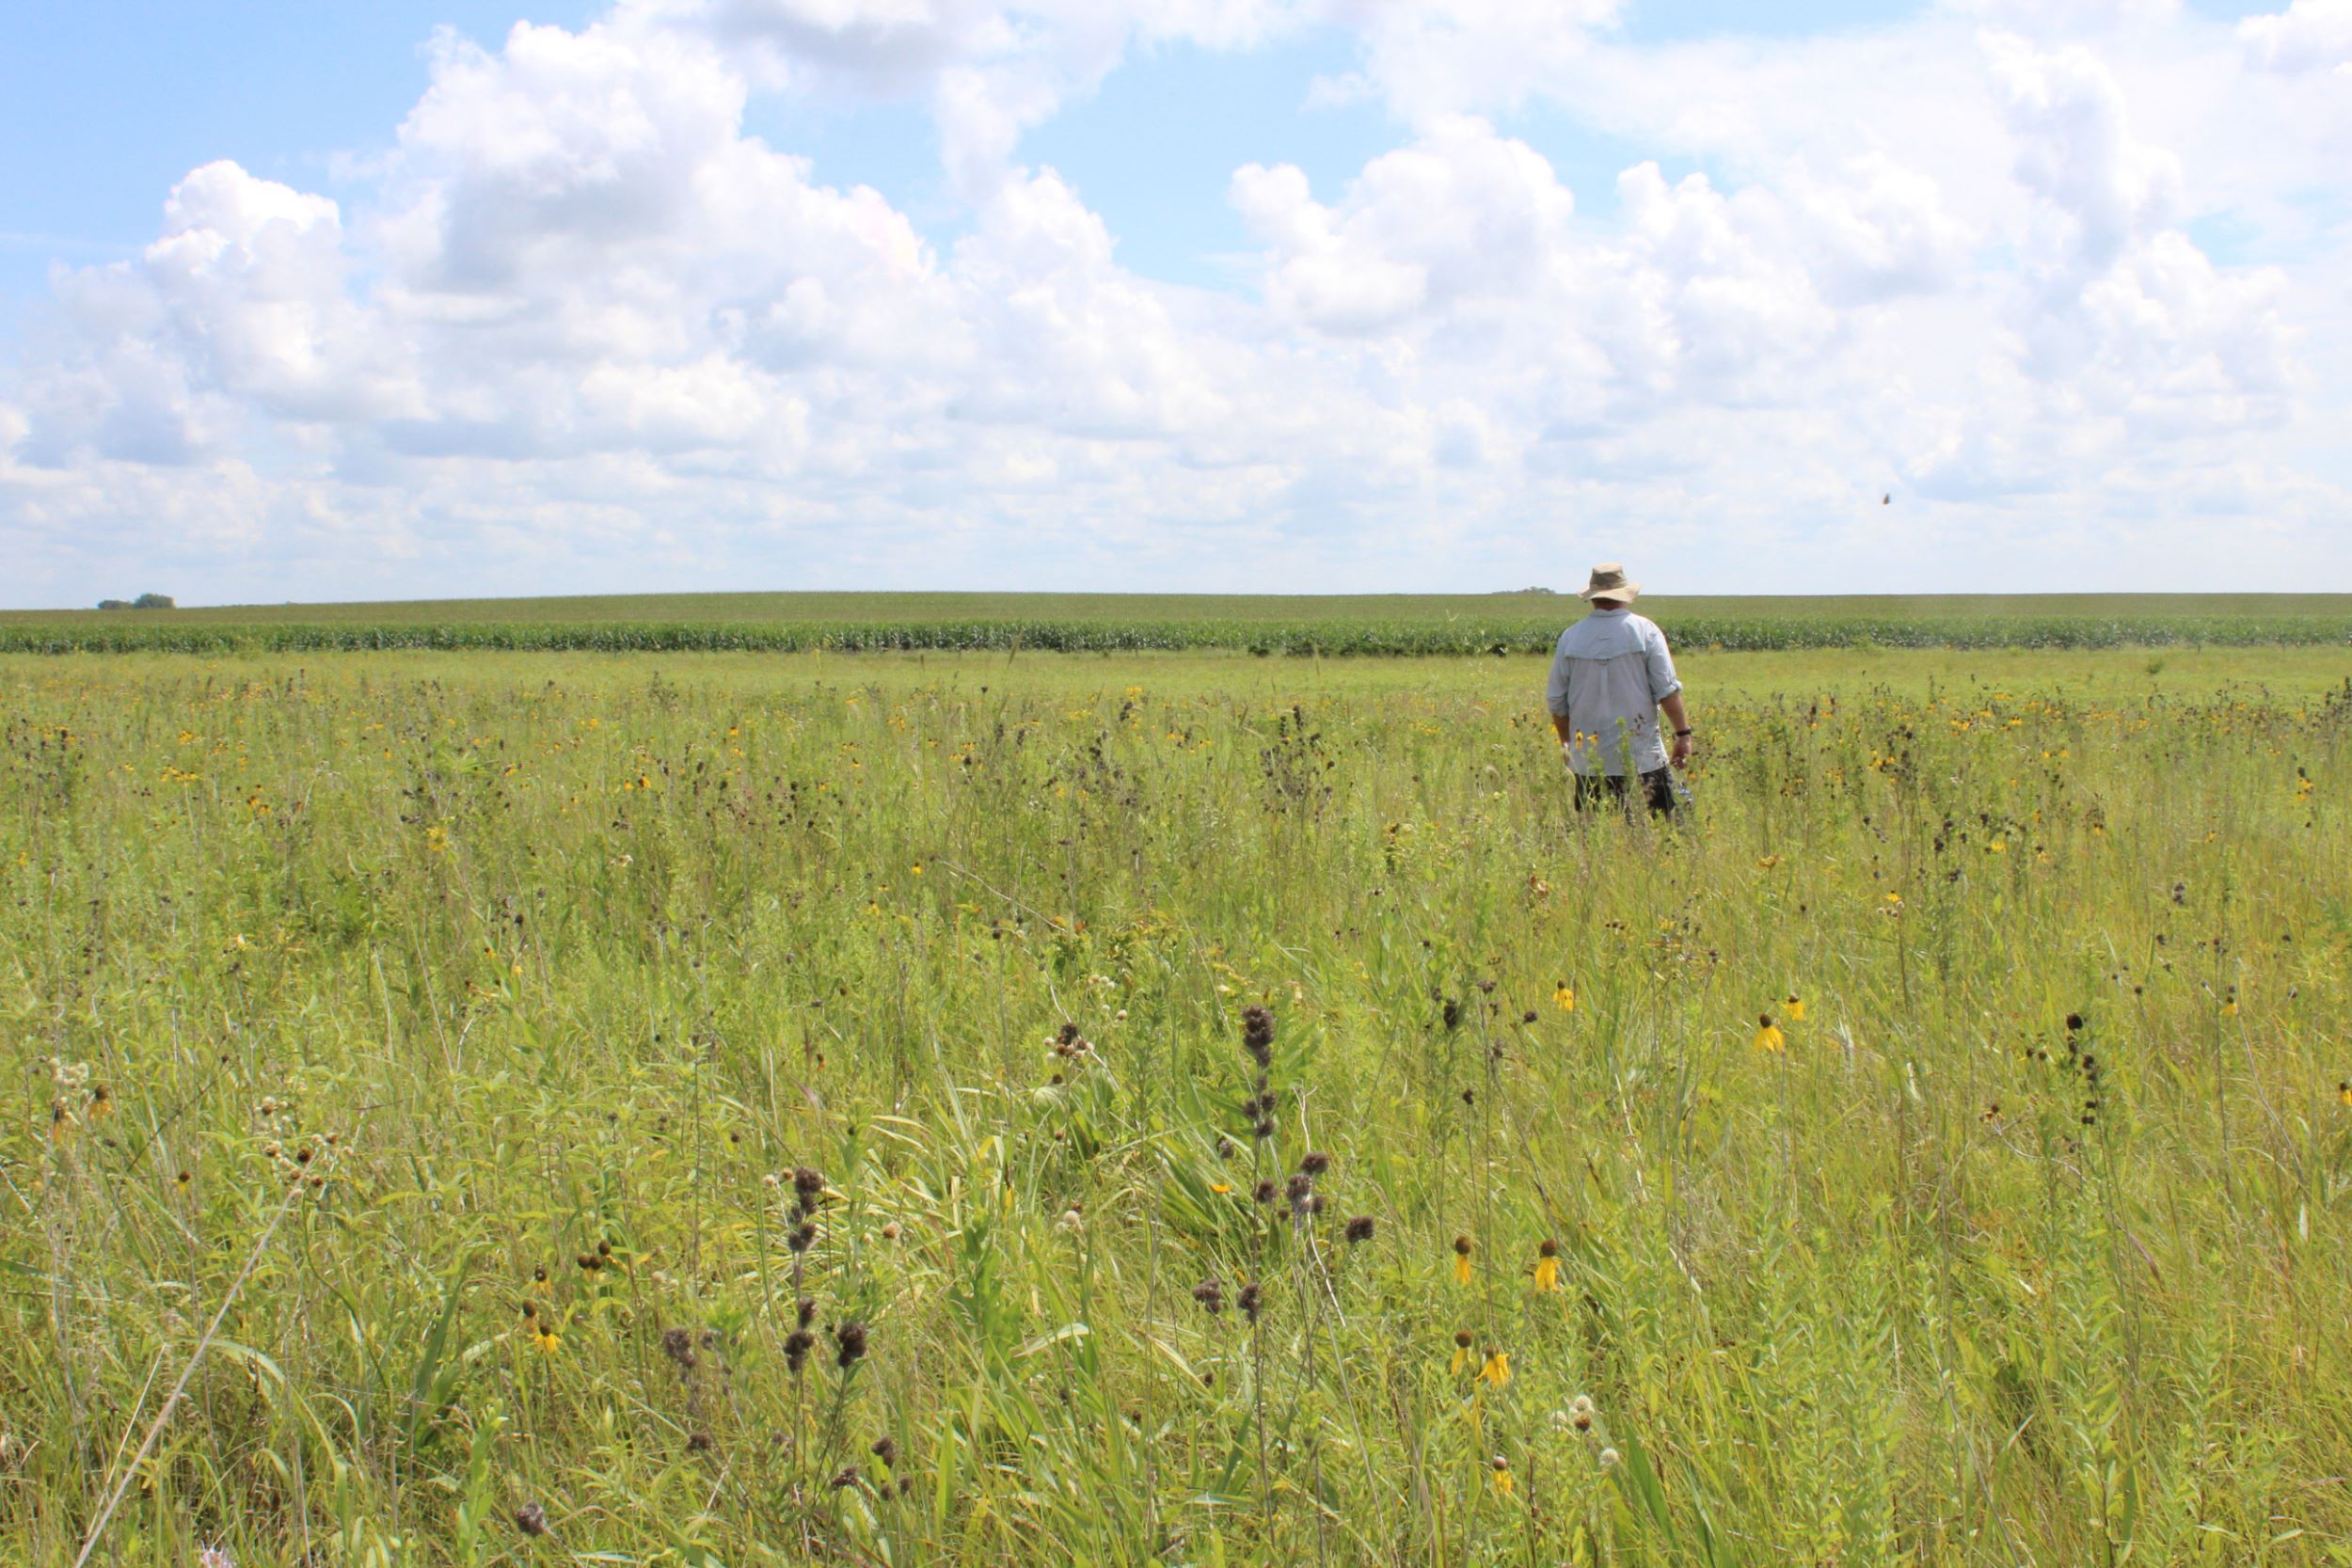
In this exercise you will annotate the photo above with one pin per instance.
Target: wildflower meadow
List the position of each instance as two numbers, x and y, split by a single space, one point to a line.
725 1108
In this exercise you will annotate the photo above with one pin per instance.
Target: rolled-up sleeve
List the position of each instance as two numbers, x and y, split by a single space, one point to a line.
1663 682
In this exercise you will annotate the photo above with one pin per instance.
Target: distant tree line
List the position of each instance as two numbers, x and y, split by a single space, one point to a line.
144 601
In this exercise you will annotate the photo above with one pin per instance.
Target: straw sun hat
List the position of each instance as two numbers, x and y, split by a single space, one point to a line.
1609 583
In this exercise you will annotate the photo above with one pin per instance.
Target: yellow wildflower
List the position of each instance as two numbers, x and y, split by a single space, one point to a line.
1503 1484
1768 1035
1794 1007
1461 1259
1547 1265
1497 1368
1461 1353
1563 997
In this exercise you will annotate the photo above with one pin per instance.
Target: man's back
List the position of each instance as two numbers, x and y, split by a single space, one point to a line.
1609 673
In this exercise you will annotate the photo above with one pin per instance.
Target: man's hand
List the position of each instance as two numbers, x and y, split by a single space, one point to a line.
1679 718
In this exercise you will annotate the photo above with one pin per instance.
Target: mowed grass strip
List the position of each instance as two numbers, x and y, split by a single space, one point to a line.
599 1013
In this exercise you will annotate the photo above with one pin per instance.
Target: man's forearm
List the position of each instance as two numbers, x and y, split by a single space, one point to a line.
1560 727
1673 704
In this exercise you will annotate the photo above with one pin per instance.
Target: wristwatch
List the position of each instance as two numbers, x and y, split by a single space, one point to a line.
1681 733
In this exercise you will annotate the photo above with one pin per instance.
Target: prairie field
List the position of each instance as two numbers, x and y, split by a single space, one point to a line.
550 1107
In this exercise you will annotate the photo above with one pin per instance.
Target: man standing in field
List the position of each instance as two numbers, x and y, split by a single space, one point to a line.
1610 675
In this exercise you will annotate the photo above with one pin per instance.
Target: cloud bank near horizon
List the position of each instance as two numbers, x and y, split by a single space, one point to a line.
573 327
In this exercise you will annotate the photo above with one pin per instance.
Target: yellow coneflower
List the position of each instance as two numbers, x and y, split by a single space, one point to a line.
1768 1035
1461 1353
2343 1091
546 1339
1563 997
1547 1265
1497 1368
1220 1187
102 1103
1795 1006
1461 1259
61 1123
1503 1484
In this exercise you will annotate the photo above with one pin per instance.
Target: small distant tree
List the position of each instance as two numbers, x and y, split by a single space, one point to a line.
114 604
153 601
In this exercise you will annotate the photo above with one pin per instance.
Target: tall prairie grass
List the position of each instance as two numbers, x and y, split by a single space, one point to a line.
789 1111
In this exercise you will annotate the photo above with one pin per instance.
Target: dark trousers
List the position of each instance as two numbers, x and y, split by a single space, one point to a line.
1658 786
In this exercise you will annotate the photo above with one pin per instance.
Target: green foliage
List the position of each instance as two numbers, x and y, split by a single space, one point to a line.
1393 626
536 978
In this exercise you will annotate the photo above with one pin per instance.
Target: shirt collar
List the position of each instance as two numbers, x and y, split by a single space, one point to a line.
1609 615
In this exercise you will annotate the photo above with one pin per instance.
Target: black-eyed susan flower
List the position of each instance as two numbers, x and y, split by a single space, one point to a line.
1547 1265
1768 1035
1503 1484
1461 1259
2343 1092
1496 1368
1793 1005
1461 1351
1563 997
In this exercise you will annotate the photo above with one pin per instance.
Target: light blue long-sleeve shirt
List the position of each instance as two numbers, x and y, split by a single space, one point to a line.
1609 673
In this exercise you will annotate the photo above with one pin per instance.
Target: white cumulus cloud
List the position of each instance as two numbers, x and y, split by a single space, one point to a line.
573 326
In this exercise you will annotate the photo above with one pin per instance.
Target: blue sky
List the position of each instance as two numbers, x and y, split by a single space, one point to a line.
1734 299
123 98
